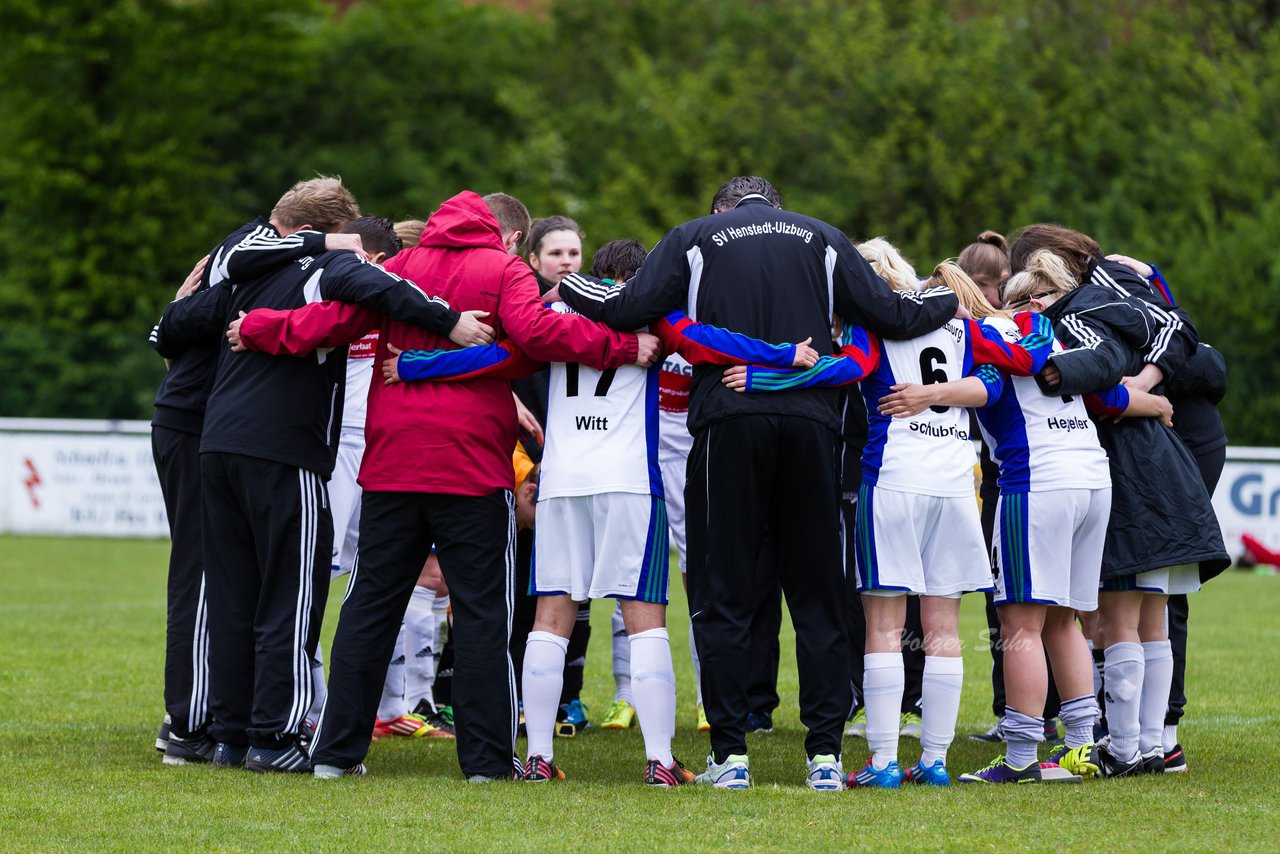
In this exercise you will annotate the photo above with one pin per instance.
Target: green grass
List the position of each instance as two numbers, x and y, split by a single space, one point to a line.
81 649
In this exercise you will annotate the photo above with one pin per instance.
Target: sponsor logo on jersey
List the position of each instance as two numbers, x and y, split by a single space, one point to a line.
952 432
365 348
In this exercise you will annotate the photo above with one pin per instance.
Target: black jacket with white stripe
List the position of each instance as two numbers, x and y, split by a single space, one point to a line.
286 409
184 391
772 274
1176 349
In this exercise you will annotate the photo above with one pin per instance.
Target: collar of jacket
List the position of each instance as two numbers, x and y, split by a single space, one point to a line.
752 199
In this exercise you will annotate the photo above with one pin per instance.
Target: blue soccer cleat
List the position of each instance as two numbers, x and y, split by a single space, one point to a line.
889 777
931 775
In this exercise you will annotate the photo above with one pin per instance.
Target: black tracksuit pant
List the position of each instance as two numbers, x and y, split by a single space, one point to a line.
267 545
746 475
475 543
186 652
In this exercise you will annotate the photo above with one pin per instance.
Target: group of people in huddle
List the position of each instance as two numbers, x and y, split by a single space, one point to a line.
485 439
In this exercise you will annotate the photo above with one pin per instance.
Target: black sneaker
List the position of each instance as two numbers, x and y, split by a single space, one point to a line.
197 747
991 736
229 755
1051 736
1175 761
1153 762
288 759
759 722
539 770
306 733
1110 766
162 738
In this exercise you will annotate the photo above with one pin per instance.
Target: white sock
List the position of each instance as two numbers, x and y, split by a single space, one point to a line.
319 691
420 648
541 683
697 665
655 695
1158 678
940 699
1123 685
621 658
392 706
883 681
1170 739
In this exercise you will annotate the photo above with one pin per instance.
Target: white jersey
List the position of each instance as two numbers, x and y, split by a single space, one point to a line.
930 453
674 382
1041 441
361 359
602 430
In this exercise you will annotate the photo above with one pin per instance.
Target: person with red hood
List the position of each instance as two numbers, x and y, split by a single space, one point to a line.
437 469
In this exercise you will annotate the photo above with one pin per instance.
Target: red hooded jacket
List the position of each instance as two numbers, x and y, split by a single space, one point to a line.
455 437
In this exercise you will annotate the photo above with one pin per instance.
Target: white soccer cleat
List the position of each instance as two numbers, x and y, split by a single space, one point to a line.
825 774
733 773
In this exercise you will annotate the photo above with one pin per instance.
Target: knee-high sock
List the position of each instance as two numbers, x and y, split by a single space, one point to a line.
621 659
1158 658
655 694
1122 685
319 691
1078 715
940 700
1022 733
543 679
697 666
883 681
392 705
420 648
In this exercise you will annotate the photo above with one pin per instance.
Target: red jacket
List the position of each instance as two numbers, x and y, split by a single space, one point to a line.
453 438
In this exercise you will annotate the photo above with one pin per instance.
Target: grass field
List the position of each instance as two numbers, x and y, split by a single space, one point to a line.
81 651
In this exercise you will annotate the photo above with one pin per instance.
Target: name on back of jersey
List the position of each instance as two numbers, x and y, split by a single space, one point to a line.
591 422
1068 423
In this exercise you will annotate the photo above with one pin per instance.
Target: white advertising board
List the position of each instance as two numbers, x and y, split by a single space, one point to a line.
80 478
1247 499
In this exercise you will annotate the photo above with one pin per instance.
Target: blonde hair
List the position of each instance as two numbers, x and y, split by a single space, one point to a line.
410 231
889 264
322 203
1045 272
966 289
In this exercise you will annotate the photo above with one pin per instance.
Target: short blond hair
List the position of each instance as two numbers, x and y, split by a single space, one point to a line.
889 264
322 203
410 231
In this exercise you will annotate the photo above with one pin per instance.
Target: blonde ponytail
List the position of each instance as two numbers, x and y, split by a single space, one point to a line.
970 295
889 264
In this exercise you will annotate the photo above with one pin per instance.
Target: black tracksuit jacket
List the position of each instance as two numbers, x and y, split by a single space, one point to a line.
775 275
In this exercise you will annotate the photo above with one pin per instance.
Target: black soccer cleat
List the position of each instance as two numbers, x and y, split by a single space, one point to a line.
1175 761
229 755
1110 766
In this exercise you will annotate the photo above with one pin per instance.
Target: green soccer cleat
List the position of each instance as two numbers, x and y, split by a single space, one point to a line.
857 724
910 725
622 715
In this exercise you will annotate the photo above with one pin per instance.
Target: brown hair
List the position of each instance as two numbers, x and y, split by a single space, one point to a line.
618 259
1045 272
986 260
510 212
966 289
377 234
1074 248
410 231
547 224
322 203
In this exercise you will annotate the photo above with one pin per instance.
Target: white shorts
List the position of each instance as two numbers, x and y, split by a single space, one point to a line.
600 546
1170 580
921 544
673 473
1048 546
344 498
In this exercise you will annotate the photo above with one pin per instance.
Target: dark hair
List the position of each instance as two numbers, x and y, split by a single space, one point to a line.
985 260
618 259
1074 248
376 233
732 191
510 212
547 224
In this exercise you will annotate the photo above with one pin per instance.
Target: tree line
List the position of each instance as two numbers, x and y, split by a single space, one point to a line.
134 134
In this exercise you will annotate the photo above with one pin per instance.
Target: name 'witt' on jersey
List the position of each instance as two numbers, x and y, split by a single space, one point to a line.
602 430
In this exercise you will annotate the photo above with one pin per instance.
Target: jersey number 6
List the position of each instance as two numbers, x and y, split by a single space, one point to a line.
932 362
